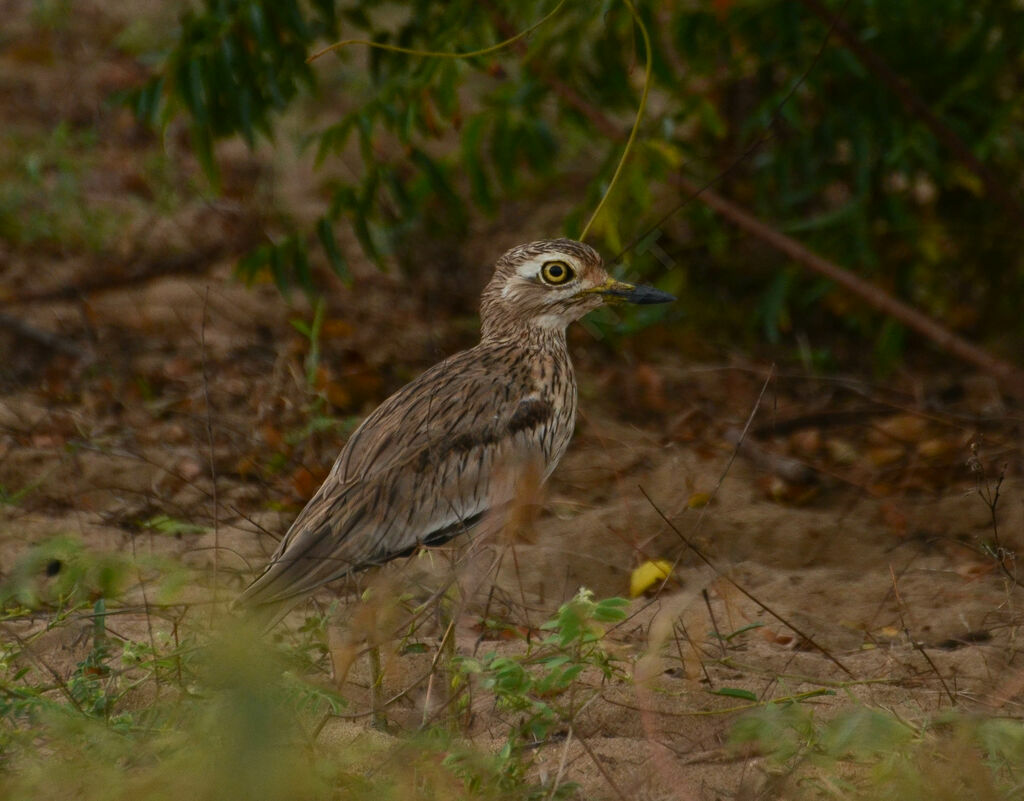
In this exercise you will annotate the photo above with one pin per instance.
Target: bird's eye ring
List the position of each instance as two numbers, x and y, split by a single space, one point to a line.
556 272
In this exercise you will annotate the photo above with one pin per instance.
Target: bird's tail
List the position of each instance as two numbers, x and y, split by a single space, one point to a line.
262 604
262 616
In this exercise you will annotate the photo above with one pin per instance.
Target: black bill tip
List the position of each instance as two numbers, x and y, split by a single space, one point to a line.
641 295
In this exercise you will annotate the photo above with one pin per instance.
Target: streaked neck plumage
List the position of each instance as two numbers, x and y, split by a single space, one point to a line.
531 333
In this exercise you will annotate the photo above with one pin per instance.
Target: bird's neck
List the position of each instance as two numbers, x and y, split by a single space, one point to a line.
536 333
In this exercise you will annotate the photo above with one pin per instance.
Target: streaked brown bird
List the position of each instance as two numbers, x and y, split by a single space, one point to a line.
432 460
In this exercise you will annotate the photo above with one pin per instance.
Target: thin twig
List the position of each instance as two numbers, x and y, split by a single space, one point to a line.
714 623
874 296
213 467
600 766
914 643
455 55
48 340
700 555
693 647
180 263
561 765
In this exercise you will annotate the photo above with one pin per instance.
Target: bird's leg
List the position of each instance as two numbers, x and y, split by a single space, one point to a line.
342 651
448 611
344 645
378 719
376 619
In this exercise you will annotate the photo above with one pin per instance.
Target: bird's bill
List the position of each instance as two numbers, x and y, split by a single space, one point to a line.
620 292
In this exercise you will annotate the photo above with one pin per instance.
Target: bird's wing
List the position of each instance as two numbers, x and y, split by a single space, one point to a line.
425 466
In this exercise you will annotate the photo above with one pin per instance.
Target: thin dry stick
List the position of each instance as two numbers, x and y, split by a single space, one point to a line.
920 649
714 623
903 313
448 633
132 274
410 51
209 443
693 647
700 555
916 645
600 766
46 339
561 765
145 603
991 498
711 495
916 106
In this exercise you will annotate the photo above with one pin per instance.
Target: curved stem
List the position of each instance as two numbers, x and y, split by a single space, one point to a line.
636 123
440 53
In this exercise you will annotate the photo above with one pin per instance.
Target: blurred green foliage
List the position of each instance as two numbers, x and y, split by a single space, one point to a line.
42 202
756 95
228 721
221 713
870 753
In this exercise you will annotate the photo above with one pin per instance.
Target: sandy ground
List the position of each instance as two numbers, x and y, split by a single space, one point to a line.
852 525
867 576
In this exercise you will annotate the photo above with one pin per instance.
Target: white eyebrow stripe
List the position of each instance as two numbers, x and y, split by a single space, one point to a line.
528 269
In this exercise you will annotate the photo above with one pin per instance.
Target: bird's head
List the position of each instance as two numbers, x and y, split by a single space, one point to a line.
549 284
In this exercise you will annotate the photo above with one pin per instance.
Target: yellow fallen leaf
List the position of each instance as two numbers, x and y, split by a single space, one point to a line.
841 451
934 448
880 457
903 427
698 499
647 575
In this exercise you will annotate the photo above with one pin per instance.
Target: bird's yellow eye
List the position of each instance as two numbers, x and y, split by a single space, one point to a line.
556 272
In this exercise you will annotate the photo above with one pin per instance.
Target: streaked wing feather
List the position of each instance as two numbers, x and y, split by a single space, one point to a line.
424 463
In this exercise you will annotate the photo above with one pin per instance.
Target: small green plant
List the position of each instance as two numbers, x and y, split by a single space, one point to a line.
541 685
9 497
164 524
869 753
311 331
61 572
42 196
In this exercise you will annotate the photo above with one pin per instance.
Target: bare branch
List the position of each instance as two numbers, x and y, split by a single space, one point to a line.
903 313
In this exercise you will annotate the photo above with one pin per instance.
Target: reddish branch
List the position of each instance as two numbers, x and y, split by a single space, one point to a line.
46 339
902 312
143 273
1011 376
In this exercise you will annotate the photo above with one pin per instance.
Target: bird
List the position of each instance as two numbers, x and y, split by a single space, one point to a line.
449 447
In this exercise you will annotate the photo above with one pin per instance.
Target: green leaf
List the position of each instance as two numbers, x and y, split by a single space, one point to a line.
742 630
254 262
610 610
735 692
169 525
325 232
